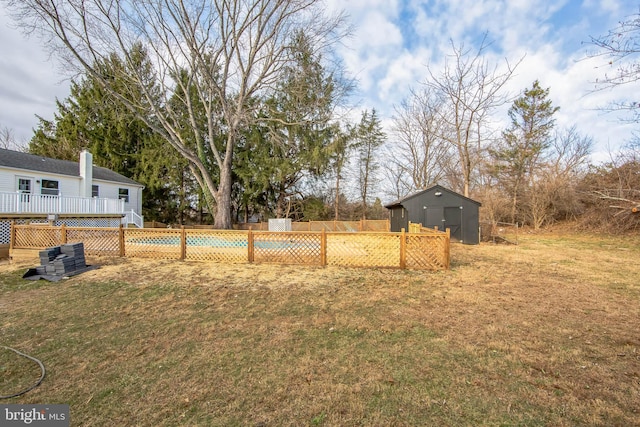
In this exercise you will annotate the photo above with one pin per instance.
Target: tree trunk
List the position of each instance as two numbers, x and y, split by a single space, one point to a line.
337 202
280 204
222 218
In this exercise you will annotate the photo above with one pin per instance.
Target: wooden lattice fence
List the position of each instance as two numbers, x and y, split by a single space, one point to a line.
375 225
416 250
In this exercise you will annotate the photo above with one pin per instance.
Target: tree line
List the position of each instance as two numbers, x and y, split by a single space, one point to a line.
278 161
234 111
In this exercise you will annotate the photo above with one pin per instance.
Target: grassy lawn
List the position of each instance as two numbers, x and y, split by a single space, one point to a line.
543 333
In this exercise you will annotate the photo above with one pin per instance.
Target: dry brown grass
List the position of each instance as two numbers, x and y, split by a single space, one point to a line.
543 333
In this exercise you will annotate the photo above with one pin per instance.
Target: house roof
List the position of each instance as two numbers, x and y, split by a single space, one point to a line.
32 162
432 187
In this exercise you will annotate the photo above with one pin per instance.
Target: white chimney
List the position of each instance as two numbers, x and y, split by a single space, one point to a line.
86 173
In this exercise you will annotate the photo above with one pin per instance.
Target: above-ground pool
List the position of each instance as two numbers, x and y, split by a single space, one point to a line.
218 242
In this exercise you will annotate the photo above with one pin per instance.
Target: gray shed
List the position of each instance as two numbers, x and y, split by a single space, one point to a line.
441 207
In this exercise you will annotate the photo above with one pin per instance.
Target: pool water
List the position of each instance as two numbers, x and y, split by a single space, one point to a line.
211 241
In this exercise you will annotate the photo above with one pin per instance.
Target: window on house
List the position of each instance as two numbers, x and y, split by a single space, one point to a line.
123 193
49 187
24 185
95 191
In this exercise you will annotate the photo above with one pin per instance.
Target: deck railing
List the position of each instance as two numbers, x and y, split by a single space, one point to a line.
18 203
131 217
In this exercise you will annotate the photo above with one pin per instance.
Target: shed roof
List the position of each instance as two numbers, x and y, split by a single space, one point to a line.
32 162
432 187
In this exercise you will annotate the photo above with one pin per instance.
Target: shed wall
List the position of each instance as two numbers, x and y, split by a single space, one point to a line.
448 210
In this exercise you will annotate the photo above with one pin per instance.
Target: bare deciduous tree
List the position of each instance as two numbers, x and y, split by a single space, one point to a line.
620 50
215 56
471 90
398 181
8 139
611 192
553 190
420 152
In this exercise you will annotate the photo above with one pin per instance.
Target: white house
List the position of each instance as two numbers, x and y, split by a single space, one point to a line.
34 186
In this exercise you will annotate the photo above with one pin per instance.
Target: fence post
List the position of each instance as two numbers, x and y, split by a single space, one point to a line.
12 236
447 250
63 234
403 249
121 240
250 244
183 243
323 247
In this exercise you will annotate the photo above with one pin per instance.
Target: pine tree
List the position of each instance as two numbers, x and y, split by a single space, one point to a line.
369 138
524 144
92 119
293 144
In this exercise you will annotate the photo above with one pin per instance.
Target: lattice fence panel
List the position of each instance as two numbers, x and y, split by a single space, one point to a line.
36 236
422 251
287 248
427 251
89 222
35 221
219 246
363 249
381 225
97 241
331 226
150 243
5 232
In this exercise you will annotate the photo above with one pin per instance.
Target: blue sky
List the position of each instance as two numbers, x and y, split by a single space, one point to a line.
394 41
388 53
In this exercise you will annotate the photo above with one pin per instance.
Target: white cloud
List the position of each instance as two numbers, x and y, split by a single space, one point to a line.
29 83
404 72
548 35
378 32
608 6
392 44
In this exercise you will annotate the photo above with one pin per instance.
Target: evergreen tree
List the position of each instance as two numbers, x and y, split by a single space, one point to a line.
369 137
524 144
93 119
293 143
340 149
235 52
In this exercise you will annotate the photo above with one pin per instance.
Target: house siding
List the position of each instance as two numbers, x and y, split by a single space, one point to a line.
110 190
37 169
67 185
